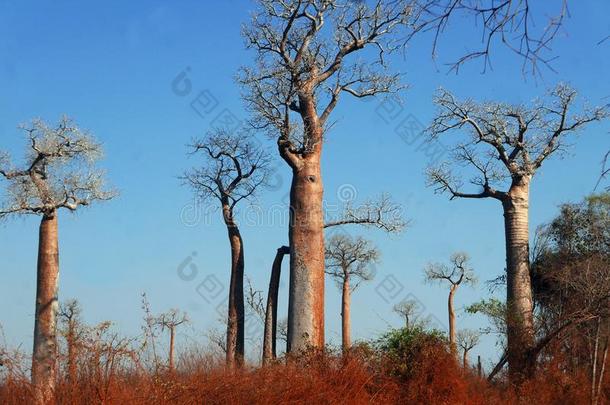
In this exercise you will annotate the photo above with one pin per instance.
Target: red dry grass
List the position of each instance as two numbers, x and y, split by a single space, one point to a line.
360 377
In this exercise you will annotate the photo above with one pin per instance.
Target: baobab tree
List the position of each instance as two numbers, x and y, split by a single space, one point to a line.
234 169
306 60
505 145
171 320
58 172
408 310
302 69
270 333
381 213
456 274
467 339
73 331
348 262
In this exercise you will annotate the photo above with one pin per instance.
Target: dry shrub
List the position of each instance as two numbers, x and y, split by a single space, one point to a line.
425 373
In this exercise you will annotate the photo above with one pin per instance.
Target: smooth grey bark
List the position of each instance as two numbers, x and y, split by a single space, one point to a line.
519 300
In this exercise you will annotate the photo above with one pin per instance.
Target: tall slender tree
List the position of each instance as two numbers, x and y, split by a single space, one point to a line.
170 321
270 333
73 332
306 59
505 146
381 213
407 310
456 274
57 173
467 339
348 262
302 68
234 169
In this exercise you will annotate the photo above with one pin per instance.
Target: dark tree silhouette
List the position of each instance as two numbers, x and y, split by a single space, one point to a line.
234 169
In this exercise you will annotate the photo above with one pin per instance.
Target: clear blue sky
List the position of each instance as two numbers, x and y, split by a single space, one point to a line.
110 66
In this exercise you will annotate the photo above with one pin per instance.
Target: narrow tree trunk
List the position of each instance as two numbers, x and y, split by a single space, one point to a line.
45 341
71 342
171 348
594 363
306 236
479 367
345 315
520 322
270 335
602 372
235 319
452 343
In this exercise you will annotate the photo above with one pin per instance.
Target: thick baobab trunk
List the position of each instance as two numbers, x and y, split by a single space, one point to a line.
520 319
452 342
235 319
465 359
270 335
45 343
306 235
345 315
172 332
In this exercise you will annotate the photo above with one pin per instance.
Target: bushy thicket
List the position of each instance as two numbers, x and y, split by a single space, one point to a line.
411 366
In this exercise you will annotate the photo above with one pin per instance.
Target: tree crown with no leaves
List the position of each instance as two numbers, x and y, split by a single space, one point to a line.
233 168
348 257
456 273
504 143
58 170
467 339
305 62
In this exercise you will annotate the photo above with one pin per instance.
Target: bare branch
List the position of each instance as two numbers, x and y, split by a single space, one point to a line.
58 171
504 144
382 214
349 259
509 23
234 169
457 273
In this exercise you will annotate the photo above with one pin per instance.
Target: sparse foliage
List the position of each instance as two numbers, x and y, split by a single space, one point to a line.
350 258
234 169
58 171
510 23
304 63
504 147
169 321
505 142
457 273
408 310
382 214
348 262
467 339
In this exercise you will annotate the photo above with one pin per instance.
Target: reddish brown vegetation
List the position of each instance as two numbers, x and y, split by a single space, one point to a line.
359 377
